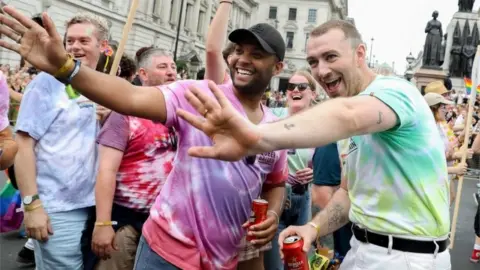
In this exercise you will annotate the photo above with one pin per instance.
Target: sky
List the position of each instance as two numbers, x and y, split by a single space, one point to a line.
398 26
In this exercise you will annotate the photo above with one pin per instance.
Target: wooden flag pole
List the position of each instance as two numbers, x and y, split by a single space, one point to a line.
468 129
126 31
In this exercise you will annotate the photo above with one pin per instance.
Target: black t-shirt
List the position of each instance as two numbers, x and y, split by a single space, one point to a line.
327 172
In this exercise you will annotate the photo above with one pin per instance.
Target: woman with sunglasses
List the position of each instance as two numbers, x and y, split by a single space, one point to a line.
301 94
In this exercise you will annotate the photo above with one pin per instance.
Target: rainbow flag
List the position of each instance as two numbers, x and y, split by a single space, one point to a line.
468 85
10 200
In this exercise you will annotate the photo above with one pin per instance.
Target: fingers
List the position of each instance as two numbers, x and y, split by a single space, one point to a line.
208 102
10 46
219 95
13 25
44 234
22 19
264 225
286 233
50 27
202 151
195 102
264 234
49 228
9 33
194 120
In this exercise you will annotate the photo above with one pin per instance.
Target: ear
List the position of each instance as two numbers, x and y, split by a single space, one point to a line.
142 74
361 53
278 68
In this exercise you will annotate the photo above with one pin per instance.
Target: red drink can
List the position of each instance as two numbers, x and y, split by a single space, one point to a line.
293 255
258 214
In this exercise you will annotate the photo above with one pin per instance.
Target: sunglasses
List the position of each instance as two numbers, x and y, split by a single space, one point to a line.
300 86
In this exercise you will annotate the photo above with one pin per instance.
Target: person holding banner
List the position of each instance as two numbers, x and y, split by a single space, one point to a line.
56 133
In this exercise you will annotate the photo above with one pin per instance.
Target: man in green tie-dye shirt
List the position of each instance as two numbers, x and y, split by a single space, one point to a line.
394 186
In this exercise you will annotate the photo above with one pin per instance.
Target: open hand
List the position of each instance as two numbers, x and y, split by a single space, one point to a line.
43 48
233 136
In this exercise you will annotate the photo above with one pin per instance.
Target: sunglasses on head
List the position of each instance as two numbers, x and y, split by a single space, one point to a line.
300 86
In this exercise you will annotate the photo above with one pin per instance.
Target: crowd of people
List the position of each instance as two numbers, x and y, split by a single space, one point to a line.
146 170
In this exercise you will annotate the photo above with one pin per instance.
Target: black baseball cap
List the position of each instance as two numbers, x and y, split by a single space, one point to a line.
267 36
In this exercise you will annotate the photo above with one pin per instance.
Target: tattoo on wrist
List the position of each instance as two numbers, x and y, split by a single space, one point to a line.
379 118
289 126
336 218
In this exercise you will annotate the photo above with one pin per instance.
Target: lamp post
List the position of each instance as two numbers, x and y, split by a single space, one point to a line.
371 52
409 71
179 26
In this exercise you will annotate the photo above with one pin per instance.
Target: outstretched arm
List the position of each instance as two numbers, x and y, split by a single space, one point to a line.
121 96
328 122
43 48
217 34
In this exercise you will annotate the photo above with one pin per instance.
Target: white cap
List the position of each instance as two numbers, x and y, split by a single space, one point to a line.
434 99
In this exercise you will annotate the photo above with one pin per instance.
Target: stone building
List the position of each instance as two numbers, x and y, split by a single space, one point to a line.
156 23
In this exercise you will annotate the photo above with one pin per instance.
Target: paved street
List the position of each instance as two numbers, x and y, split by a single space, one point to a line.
10 244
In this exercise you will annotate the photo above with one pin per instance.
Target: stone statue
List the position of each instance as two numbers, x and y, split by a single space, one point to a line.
433 43
468 53
455 58
465 5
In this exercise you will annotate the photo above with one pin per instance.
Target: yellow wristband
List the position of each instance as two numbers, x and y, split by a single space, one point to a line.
105 223
317 228
67 67
29 208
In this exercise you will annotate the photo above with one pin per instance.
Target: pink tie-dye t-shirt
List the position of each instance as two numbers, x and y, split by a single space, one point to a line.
196 221
4 100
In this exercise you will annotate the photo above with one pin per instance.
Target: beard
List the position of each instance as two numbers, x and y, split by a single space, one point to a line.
256 86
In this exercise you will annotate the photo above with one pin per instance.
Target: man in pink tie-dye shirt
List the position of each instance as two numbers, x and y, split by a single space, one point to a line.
8 147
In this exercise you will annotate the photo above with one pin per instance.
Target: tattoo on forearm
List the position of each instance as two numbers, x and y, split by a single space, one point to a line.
379 118
336 217
289 126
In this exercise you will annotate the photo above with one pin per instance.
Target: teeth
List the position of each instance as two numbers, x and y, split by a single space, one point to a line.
332 83
244 72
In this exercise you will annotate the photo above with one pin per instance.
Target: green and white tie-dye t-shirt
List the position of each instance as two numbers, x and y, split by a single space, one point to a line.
397 179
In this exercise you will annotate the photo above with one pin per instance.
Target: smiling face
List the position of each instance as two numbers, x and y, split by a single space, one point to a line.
162 70
83 43
336 64
251 68
299 93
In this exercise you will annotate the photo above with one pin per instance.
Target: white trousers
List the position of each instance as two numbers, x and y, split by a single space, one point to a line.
372 257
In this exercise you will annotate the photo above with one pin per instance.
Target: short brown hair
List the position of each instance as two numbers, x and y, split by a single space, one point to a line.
101 25
228 50
350 31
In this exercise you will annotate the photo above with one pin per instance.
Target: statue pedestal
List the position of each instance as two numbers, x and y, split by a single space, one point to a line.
425 76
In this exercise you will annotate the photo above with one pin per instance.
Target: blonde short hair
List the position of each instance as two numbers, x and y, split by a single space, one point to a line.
100 24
